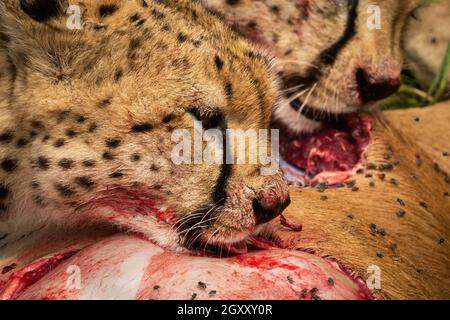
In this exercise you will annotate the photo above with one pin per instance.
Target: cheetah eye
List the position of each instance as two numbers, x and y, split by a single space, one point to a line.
209 117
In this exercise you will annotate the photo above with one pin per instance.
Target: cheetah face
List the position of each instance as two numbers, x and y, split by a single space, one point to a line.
335 56
96 109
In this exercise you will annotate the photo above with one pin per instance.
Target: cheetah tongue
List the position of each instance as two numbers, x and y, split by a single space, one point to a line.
330 155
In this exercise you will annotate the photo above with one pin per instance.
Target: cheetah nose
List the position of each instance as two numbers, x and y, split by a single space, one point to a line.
264 211
373 88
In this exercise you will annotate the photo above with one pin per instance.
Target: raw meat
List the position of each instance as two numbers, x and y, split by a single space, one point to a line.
329 155
129 267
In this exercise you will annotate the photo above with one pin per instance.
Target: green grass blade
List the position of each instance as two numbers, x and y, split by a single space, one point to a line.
439 85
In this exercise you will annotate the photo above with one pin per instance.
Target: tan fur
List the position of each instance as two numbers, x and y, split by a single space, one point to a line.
428 128
339 227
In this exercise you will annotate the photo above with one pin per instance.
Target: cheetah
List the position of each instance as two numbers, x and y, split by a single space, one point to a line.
335 57
87 116
80 130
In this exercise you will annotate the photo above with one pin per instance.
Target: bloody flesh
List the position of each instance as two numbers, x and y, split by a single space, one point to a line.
330 154
32 274
127 267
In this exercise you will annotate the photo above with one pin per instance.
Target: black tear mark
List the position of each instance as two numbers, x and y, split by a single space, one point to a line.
107 10
41 10
219 194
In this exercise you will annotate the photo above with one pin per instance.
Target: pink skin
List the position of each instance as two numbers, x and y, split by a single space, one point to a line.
128 267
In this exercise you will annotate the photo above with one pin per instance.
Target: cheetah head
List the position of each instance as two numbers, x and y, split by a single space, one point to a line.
335 56
93 108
